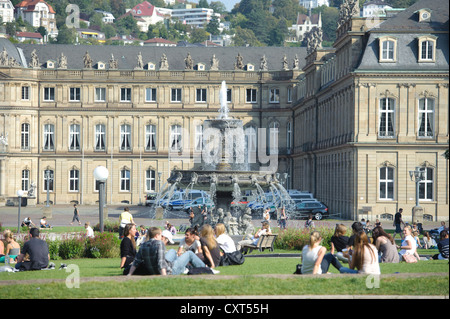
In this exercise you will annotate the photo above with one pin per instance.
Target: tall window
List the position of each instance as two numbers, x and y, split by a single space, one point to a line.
273 138
74 137
386 117
49 131
25 136
74 180
25 179
289 136
49 94
427 50
175 95
175 137
388 50
250 143
75 94
150 180
289 94
229 95
274 96
100 94
426 117
199 137
125 180
250 96
150 95
125 95
200 95
150 137
386 186
426 186
100 138
25 92
125 137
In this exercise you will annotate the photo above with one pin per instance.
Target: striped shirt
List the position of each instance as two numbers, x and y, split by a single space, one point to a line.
443 247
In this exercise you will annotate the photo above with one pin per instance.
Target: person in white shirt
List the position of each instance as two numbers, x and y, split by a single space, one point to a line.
89 230
408 245
265 229
190 242
364 257
225 242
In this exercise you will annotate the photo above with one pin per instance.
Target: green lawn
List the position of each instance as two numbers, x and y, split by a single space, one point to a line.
255 272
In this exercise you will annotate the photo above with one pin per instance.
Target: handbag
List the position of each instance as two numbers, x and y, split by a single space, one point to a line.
234 258
409 259
298 269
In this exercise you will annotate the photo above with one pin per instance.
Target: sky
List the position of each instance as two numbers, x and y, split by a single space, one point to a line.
229 4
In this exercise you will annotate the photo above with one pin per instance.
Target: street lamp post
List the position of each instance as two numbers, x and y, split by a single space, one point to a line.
101 175
19 194
417 176
48 176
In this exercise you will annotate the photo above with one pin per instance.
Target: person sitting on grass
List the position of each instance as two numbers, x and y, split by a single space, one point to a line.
428 241
315 260
44 223
364 257
339 241
385 245
408 245
37 250
12 248
151 258
442 246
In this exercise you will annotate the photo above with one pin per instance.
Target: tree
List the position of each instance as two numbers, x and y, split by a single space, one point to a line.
278 34
199 35
287 9
66 35
42 31
213 26
245 37
203 4
218 7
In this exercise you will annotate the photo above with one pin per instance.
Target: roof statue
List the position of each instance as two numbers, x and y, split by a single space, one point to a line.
214 63
113 63
263 63
140 63
164 64
313 40
34 63
62 63
295 66
239 65
4 58
87 61
189 62
284 63
347 10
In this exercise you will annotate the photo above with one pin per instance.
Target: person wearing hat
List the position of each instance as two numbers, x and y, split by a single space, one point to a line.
151 258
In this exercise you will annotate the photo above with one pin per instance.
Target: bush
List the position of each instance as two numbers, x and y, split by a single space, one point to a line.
72 248
104 245
296 239
108 226
53 248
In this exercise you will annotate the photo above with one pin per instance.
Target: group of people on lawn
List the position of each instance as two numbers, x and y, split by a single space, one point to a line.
144 253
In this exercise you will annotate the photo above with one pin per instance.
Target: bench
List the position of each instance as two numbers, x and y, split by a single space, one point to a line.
264 242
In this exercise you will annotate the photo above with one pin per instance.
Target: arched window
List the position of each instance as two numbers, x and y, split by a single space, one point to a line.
386 116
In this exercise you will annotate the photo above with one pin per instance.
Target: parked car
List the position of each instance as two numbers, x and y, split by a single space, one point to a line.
150 199
200 201
180 198
317 209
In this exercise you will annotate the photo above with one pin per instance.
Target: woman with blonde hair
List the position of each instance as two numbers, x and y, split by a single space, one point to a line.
210 248
339 242
12 247
364 257
225 242
408 245
315 260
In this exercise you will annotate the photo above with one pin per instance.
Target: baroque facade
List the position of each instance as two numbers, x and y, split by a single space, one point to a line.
351 120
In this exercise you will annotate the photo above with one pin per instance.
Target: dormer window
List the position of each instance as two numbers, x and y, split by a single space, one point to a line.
427 48
424 15
388 49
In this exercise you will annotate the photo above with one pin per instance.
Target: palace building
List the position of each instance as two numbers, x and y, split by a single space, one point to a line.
351 120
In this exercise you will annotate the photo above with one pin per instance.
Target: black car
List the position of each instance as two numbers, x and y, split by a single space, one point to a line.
304 209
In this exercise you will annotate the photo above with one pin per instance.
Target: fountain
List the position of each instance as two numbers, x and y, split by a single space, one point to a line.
225 171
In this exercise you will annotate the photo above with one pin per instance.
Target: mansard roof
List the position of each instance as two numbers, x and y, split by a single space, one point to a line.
127 55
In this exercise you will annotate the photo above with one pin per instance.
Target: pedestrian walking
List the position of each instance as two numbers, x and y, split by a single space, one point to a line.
397 223
76 215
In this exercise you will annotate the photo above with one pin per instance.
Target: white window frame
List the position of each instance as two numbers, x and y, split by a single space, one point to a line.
150 180
100 137
125 137
386 116
427 185
176 95
25 136
125 95
74 180
251 96
49 94
426 117
200 95
48 143
386 182
176 137
25 93
274 95
198 137
427 49
100 94
289 94
150 137
274 131
75 94
74 137
150 95
25 179
125 180
388 49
